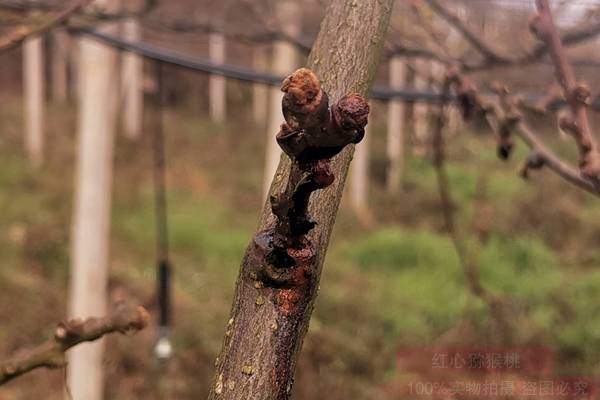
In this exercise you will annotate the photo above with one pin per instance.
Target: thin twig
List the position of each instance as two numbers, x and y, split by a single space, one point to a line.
495 303
485 49
493 58
51 354
471 101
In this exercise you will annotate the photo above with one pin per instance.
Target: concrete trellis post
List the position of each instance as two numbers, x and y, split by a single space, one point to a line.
98 77
216 83
284 62
60 57
395 127
359 175
33 87
132 78
421 109
260 92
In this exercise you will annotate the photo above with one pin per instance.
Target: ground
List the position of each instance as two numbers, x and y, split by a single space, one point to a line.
391 280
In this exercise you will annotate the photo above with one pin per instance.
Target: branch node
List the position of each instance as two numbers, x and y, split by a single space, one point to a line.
313 133
534 161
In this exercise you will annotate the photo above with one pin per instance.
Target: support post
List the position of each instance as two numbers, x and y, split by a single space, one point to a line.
33 85
216 83
132 76
91 216
395 127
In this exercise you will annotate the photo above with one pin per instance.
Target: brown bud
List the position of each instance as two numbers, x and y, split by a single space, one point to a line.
568 124
533 161
581 94
352 111
302 87
590 166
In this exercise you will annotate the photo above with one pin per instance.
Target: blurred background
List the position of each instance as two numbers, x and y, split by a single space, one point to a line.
392 279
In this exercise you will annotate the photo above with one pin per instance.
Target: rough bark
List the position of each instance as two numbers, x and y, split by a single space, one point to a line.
268 322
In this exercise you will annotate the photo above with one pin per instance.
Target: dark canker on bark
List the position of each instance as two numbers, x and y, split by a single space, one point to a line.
281 269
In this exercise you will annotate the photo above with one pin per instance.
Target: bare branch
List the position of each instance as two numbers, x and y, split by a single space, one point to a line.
487 51
496 304
471 102
303 44
17 36
51 354
576 94
492 58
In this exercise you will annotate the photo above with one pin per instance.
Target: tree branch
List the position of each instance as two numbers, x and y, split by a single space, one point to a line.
492 58
17 36
271 311
485 49
496 304
576 94
302 44
51 354
471 102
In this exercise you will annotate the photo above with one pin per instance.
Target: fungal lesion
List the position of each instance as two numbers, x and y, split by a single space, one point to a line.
312 134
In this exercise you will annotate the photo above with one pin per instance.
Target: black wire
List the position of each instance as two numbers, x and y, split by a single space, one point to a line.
249 75
194 63
162 237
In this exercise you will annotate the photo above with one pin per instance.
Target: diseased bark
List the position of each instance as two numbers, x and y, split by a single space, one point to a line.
269 321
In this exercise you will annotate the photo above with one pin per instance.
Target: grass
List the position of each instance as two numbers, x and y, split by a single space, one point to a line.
396 282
